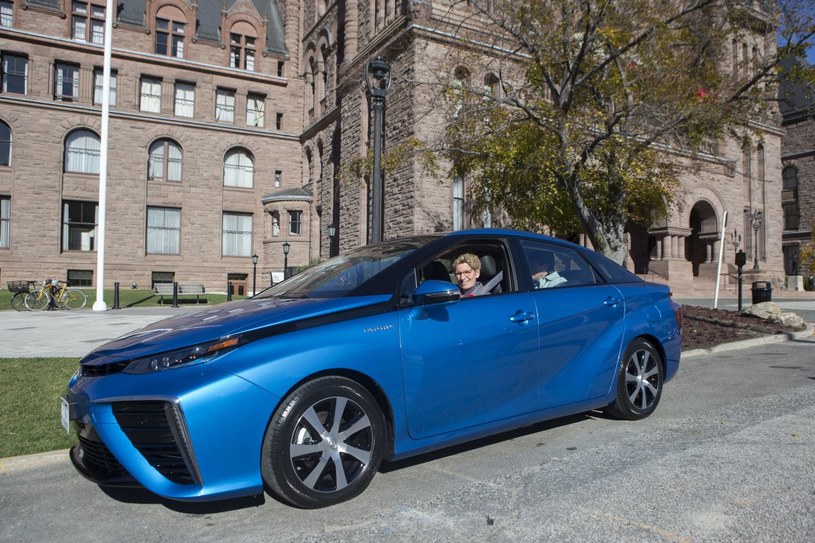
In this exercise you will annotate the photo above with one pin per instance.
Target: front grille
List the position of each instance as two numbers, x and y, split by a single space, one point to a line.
99 459
164 444
92 370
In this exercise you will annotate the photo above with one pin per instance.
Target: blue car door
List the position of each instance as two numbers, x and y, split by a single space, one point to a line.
469 362
580 323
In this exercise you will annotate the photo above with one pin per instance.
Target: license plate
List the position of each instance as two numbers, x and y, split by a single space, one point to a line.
65 414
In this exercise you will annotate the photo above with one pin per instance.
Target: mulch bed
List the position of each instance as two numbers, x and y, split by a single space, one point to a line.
704 327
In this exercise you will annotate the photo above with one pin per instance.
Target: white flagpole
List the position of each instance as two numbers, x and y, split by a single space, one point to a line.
719 263
99 304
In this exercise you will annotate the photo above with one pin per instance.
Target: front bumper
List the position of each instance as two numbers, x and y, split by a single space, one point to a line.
185 434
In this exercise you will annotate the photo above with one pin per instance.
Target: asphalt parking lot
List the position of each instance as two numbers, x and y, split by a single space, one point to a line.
726 457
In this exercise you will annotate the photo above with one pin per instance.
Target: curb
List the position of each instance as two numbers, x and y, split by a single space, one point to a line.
807 332
32 461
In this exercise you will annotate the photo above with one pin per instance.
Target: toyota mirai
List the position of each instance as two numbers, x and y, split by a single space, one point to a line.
372 355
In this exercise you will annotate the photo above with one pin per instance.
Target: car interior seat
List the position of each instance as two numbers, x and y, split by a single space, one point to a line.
436 270
491 276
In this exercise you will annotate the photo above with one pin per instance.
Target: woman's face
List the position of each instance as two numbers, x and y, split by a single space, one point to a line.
466 276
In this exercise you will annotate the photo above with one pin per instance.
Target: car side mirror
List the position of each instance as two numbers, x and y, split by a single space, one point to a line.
433 291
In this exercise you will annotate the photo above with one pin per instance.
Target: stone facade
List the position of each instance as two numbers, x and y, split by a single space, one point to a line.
798 176
310 65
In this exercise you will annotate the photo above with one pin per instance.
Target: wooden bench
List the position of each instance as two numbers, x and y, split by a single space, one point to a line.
166 289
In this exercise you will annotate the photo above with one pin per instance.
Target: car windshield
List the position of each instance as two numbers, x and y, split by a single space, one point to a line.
341 275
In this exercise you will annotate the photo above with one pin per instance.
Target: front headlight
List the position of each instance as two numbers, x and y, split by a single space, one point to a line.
182 357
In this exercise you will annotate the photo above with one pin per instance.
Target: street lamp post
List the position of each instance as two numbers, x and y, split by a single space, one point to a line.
378 81
254 274
286 247
332 233
755 221
735 240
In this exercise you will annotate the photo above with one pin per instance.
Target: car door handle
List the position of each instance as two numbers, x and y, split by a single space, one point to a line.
522 316
611 300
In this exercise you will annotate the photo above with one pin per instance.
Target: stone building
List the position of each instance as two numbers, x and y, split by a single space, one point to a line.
239 125
798 175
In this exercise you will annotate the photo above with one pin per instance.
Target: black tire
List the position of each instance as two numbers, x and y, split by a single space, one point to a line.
37 300
639 382
18 301
73 299
314 458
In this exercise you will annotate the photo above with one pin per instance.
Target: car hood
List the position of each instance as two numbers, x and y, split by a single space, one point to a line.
225 320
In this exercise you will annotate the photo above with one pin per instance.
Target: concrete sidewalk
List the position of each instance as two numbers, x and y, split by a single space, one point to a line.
72 333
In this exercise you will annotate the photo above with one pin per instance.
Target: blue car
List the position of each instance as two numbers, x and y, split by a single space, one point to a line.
372 355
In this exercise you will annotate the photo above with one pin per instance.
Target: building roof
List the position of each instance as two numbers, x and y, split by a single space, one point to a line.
299 194
208 24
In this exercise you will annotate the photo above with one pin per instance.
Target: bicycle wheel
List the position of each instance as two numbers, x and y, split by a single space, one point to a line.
73 299
37 300
18 301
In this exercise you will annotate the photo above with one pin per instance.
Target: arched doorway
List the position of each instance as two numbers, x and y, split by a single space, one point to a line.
700 245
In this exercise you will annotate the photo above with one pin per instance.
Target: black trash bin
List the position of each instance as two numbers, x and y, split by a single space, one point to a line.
762 292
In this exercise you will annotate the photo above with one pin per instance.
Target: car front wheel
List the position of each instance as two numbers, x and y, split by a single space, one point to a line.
639 382
324 443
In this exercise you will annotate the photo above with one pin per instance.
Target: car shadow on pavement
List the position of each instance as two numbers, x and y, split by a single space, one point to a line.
490 440
139 495
144 496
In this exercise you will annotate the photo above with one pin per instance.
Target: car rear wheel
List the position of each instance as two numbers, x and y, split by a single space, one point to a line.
324 443
639 382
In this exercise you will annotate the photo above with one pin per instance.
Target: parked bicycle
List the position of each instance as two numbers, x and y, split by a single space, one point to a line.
20 290
55 294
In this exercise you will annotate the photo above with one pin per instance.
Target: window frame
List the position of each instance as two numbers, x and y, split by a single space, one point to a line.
242 53
242 246
84 155
147 86
295 221
225 105
183 103
5 221
6 145
98 86
167 161
6 14
82 225
93 23
60 81
234 174
166 236
173 33
258 113
6 74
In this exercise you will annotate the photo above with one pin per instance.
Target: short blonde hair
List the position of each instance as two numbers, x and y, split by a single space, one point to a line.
468 258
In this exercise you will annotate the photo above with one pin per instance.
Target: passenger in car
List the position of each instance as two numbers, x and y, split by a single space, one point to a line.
467 268
546 276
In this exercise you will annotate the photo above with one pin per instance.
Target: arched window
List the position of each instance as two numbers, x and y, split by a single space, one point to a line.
789 198
458 202
239 169
242 46
461 77
82 152
5 144
170 28
492 86
165 161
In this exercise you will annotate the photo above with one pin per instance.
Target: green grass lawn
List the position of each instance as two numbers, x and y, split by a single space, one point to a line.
30 390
